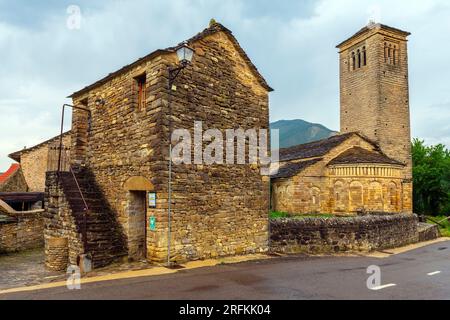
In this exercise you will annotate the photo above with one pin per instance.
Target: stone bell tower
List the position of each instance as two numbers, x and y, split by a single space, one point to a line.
374 89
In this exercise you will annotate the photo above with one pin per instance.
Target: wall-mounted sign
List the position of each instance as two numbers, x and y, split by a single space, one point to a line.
152 200
152 223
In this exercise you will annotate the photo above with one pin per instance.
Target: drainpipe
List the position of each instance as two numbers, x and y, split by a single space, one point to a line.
173 74
169 212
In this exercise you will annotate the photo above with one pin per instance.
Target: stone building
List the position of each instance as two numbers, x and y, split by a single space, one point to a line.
368 166
120 157
13 180
35 161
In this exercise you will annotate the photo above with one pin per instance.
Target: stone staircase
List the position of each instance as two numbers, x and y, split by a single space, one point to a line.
104 240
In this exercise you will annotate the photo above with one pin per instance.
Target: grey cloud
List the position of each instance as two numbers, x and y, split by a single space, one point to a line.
292 44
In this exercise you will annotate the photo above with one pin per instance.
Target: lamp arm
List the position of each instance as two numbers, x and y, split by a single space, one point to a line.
173 74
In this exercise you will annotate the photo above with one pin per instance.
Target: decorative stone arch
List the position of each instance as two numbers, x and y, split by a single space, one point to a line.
137 188
356 196
314 199
393 197
339 196
281 197
138 183
376 196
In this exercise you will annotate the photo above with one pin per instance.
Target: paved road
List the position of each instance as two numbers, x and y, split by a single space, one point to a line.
283 278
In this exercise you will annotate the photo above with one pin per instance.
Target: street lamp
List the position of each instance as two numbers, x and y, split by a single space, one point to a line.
184 55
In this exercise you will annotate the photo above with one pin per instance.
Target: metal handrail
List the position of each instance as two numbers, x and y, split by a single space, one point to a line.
62 128
86 210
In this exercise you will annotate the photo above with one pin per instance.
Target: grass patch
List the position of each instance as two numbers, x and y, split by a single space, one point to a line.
280 215
444 226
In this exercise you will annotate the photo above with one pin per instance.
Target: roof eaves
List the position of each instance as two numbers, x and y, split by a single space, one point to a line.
16 155
293 168
368 28
217 27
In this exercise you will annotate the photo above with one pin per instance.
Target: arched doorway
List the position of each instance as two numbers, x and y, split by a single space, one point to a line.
137 189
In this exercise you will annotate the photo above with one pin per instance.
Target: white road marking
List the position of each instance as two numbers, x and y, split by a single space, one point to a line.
383 287
433 273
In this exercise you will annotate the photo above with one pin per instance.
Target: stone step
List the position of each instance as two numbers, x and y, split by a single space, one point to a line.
103 240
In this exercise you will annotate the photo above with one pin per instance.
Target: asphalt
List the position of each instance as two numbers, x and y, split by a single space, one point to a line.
423 274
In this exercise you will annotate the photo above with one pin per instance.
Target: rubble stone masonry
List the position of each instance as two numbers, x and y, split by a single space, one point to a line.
15 183
217 210
34 163
22 232
325 236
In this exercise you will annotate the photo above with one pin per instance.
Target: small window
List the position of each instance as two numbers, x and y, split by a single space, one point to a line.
390 54
385 52
353 61
394 57
141 97
364 56
359 59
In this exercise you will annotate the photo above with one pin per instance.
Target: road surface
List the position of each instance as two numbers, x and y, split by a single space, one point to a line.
423 273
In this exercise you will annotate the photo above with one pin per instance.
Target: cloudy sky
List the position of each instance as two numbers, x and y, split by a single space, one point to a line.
42 60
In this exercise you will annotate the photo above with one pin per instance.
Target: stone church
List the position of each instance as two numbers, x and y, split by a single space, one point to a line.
368 166
114 202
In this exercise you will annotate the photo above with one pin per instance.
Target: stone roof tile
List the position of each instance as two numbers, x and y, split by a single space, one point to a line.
371 27
360 155
313 149
212 29
292 168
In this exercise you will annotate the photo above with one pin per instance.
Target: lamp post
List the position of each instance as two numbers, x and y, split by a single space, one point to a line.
184 55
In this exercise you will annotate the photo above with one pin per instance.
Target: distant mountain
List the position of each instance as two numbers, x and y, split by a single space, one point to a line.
294 132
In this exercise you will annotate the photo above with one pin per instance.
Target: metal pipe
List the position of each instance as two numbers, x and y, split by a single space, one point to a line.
169 208
173 74
62 129
61 138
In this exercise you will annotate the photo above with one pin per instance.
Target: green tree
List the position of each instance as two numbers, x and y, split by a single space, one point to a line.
431 178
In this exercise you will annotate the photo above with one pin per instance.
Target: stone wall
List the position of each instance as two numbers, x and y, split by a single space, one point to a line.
217 210
22 232
342 189
428 232
59 224
34 163
15 183
325 236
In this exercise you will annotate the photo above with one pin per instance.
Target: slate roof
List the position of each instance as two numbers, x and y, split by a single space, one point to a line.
10 172
313 149
16 155
212 29
292 168
367 28
360 155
